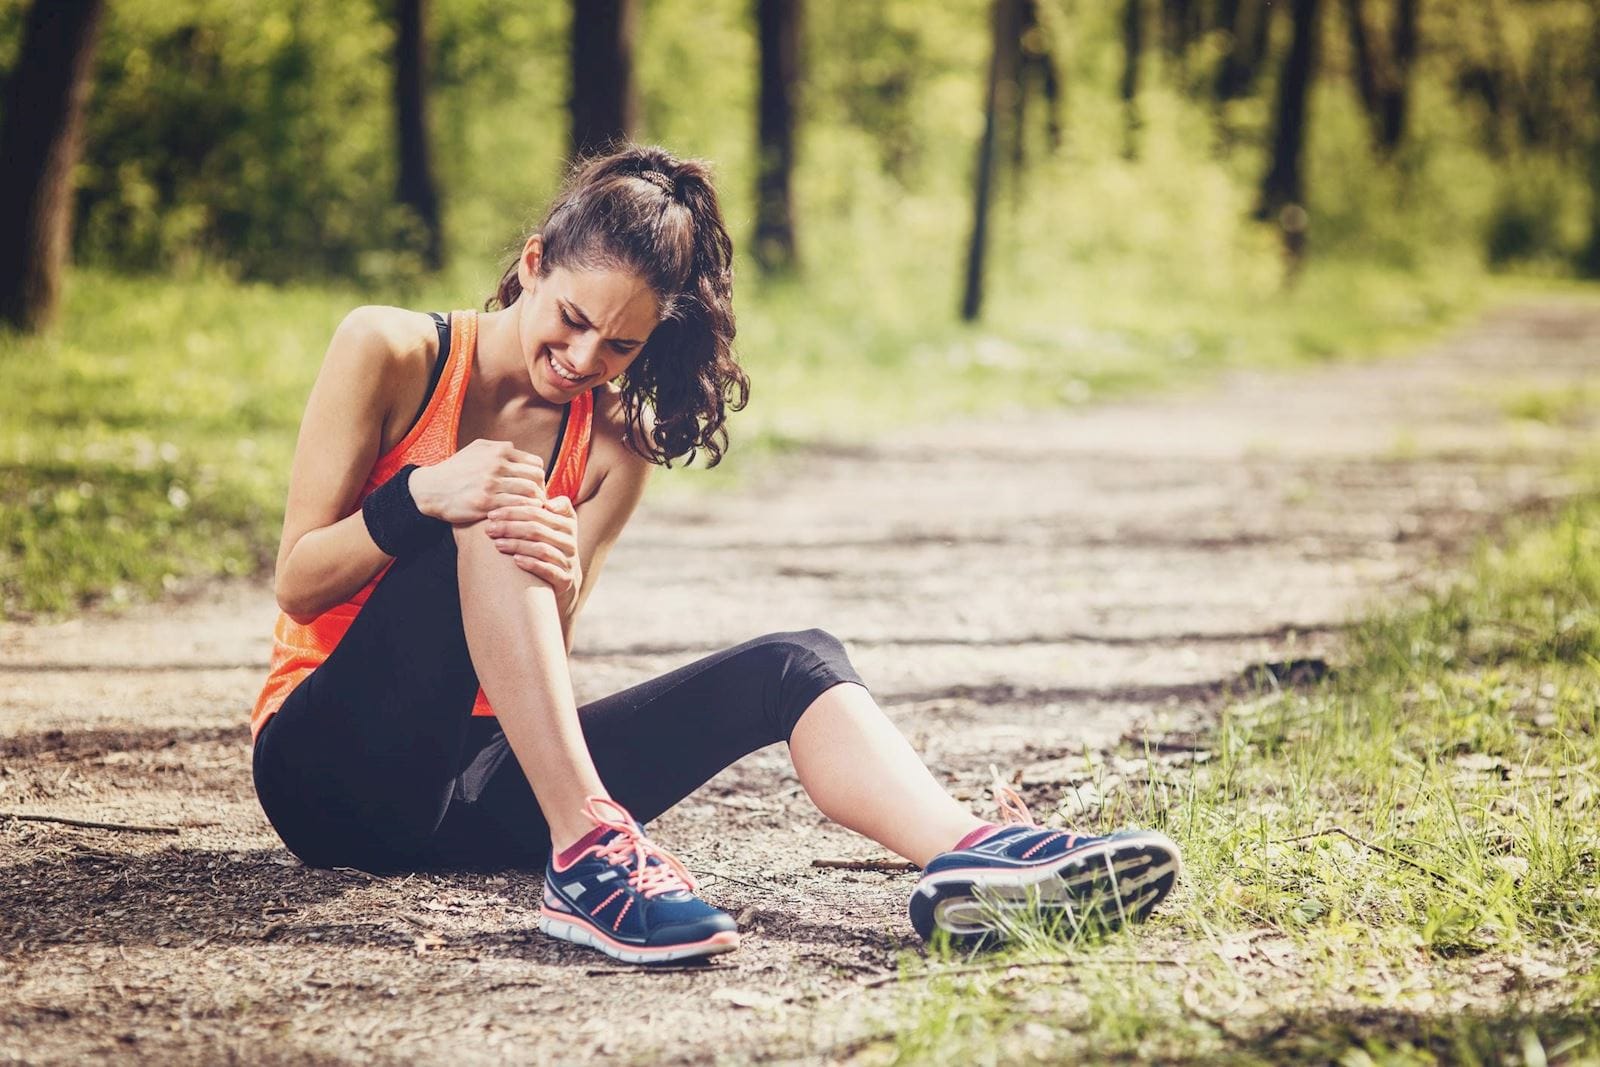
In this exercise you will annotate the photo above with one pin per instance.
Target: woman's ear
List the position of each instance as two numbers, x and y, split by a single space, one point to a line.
528 264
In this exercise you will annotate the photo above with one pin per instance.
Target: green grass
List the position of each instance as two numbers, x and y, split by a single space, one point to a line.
1401 865
146 443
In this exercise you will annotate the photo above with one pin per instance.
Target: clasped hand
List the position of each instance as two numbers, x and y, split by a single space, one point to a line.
495 481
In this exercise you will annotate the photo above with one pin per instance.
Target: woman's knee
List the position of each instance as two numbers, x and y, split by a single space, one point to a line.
797 667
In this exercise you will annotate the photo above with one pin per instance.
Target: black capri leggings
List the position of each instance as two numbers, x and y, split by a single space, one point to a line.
375 760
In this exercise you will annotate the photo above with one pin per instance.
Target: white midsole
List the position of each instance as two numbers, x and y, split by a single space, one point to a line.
579 935
978 915
1119 878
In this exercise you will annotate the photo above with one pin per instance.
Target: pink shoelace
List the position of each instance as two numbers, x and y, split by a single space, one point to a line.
1013 809
631 849
1014 812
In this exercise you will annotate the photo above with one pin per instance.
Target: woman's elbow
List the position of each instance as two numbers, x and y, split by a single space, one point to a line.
294 603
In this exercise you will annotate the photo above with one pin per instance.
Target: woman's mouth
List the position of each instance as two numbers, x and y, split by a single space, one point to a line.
562 372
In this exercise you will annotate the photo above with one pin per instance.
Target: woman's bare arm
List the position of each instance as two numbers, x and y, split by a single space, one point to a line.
326 553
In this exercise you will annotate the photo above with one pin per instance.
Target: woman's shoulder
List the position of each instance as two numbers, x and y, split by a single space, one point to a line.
612 431
386 338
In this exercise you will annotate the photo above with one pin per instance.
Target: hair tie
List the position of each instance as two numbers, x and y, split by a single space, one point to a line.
659 180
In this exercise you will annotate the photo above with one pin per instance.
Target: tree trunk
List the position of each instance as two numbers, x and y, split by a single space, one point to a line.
1251 49
44 102
1231 71
416 188
1589 260
1284 183
1132 53
1366 71
1396 99
603 104
1037 61
779 30
1007 32
1055 92
1178 26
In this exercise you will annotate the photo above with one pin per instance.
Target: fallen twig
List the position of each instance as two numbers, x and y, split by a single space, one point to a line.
867 865
1398 857
977 968
754 885
90 824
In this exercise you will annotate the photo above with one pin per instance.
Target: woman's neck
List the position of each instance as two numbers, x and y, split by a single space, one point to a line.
502 371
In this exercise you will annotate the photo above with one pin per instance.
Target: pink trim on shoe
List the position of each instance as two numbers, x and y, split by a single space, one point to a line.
728 938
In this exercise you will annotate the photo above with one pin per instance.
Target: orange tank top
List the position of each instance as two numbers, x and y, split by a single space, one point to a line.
298 649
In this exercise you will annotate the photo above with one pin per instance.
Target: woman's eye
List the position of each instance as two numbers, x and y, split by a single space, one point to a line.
568 320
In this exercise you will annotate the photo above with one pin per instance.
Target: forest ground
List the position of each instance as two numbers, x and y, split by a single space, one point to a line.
1040 592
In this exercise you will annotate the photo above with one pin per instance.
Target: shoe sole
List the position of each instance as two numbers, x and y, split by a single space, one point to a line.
568 928
1105 885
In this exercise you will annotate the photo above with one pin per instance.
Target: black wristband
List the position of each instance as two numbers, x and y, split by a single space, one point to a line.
395 522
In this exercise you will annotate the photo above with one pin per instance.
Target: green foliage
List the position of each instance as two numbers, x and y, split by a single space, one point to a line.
259 136
147 443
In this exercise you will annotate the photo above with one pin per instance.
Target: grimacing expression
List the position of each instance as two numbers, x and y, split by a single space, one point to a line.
580 328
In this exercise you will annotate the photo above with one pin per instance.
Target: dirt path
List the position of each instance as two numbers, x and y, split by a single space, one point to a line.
1018 591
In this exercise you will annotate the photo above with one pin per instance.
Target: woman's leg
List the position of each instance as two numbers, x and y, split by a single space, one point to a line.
863 774
513 631
657 742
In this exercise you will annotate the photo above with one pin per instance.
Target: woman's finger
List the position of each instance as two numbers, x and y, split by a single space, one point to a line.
527 487
533 472
531 534
517 455
531 517
503 501
540 569
521 546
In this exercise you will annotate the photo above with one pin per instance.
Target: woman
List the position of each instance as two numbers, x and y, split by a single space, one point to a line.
456 488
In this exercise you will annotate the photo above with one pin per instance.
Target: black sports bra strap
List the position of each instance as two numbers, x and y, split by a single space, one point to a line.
442 324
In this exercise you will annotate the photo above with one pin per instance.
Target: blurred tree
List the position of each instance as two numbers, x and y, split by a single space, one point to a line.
40 142
1248 26
1037 65
778 24
1396 98
1182 22
1132 53
604 105
417 190
1006 22
1364 66
1589 259
1383 71
1283 186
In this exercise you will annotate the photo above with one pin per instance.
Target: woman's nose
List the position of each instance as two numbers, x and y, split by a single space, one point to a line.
585 353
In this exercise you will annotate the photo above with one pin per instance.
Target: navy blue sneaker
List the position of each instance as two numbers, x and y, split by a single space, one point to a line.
626 896
1023 871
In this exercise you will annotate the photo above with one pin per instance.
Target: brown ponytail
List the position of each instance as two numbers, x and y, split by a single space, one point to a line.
642 210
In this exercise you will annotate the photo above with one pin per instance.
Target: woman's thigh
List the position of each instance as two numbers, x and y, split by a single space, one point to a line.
360 762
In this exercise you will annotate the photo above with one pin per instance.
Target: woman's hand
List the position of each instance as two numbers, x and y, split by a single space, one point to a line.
481 477
542 539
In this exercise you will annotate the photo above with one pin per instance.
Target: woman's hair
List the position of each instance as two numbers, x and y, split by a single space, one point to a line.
641 210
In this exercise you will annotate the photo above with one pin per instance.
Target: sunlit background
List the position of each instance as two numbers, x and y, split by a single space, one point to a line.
238 187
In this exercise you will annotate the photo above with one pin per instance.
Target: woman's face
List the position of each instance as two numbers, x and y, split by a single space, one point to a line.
580 328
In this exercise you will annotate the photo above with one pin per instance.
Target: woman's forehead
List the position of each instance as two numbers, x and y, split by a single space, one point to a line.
618 303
